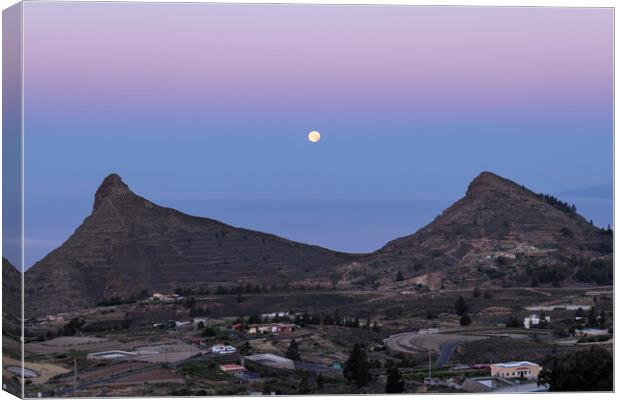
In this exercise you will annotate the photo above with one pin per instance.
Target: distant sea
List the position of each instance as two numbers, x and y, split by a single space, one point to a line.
349 225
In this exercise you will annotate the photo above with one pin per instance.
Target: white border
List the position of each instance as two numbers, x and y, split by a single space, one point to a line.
510 3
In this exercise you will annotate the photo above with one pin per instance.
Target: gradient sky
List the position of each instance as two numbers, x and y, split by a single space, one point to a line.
206 108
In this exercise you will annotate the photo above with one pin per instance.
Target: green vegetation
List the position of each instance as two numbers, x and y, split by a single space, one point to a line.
356 367
72 327
594 339
293 351
460 307
589 370
205 370
444 374
399 276
563 206
394 383
465 320
117 301
513 322
596 270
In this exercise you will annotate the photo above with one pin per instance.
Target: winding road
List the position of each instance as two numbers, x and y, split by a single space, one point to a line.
444 343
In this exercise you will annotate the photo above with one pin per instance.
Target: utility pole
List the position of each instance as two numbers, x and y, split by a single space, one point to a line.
429 365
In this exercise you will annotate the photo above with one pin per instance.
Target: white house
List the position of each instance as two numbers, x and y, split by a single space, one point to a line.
278 314
180 324
222 349
533 320
169 298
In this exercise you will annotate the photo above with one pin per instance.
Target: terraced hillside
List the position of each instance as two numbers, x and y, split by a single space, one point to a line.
499 233
128 245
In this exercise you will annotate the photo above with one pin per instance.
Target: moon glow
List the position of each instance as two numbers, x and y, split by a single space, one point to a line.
314 136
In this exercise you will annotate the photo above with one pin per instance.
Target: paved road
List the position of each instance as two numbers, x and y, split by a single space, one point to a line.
446 344
446 351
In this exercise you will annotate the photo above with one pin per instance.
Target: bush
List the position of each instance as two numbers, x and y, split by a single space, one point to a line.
589 370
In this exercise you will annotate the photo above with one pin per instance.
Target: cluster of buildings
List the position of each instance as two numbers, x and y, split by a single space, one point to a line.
266 329
534 320
271 329
166 298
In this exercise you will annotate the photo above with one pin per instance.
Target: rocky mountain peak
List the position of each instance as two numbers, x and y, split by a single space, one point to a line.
487 183
112 185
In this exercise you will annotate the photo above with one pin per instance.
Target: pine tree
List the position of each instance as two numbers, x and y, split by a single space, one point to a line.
465 320
399 277
293 351
320 381
592 318
356 367
304 387
395 383
460 307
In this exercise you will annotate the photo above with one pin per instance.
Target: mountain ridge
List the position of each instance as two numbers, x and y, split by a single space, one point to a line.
129 245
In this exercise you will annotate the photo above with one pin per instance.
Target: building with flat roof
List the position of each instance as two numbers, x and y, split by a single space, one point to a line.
516 369
233 369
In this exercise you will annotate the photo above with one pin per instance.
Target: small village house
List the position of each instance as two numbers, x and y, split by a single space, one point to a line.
534 320
168 298
516 369
233 369
271 329
222 349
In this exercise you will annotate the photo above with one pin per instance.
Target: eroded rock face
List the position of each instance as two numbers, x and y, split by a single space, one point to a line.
129 244
496 220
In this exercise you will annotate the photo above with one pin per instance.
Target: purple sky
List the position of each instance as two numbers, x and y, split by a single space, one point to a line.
206 108
317 62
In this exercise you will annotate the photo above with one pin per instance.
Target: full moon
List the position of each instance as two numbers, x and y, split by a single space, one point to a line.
314 136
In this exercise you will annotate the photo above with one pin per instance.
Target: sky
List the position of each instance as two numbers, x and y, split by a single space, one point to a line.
205 108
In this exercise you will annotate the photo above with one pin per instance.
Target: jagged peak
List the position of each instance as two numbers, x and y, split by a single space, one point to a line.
489 182
112 185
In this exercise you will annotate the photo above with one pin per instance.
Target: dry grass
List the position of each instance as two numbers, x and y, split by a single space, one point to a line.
46 371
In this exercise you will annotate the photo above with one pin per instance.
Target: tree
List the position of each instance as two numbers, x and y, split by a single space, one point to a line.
320 381
267 389
356 367
476 292
460 307
399 276
189 302
254 319
395 383
513 322
293 351
592 318
602 318
588 370
465 320
304 387
73 327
